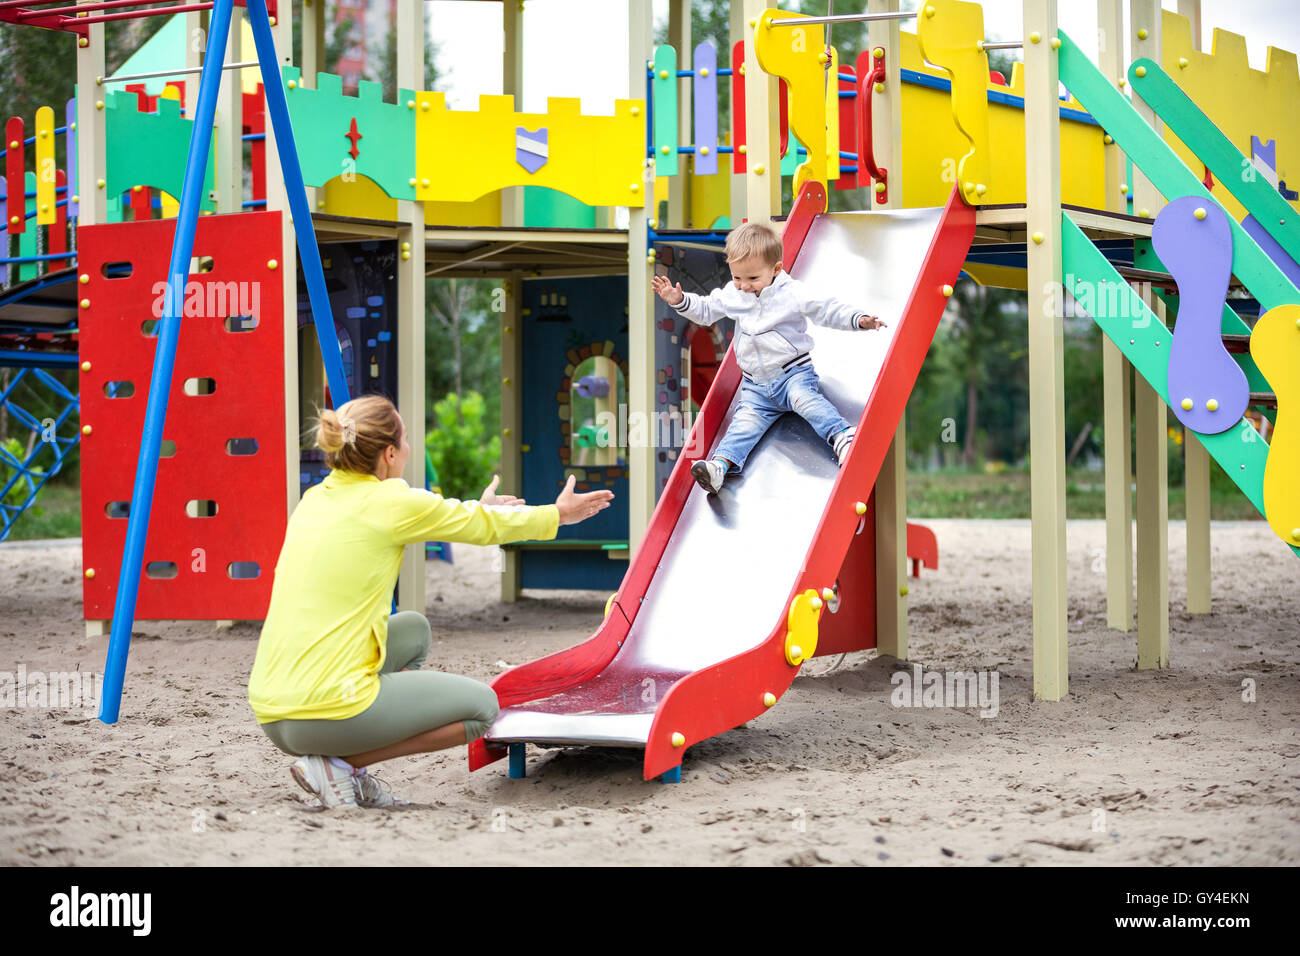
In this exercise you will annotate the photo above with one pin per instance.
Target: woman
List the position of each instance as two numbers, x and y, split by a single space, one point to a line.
336 681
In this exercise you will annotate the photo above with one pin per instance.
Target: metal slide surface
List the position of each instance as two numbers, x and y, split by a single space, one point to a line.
724 579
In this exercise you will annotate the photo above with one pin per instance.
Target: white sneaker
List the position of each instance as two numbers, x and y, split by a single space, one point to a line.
708 473
842 442
319 777
372 792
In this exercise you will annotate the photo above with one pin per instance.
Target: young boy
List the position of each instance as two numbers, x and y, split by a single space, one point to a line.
772 347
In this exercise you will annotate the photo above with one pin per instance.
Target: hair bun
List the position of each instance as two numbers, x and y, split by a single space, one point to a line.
329 436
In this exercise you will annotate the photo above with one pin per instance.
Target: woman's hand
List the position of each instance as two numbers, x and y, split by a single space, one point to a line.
870 322
672 294
490 496
575 508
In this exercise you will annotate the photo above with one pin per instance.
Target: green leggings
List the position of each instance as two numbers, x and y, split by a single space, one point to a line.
409 703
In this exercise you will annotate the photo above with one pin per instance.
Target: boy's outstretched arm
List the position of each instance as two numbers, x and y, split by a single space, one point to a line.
699 309
833 313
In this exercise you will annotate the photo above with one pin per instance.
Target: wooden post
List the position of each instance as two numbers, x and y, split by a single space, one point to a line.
737 209
512 84
1117 372
1151 411
229 186
891 483
1046 348
679 190
1196 460
762 129
91 162
640 301
512 416
411 384
277 199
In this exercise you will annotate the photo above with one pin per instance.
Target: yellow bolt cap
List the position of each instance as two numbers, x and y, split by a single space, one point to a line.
704 150
85 429
1182 63
411 181
816 603
823 58
879 187
770 698
1200 212
1037 237
1056 43
1188 404
272 264
292 84
410 104
83 278
663 74
1140 72
758 170
1212 404
1123 187
878 53
1295 534
878 86
635 187
902 592
678 738
860 507
406 255
90 572
827 593
1107 139
929 10
1122 81
704 71
1142 33
636 111
85 366
947 291
980 189
796 651
1035 37
85 303
743 148
100 183
1144 213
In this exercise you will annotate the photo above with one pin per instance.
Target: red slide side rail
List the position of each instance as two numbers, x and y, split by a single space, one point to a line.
576 665
726 695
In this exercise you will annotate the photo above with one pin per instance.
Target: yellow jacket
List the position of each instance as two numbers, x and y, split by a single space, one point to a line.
326 632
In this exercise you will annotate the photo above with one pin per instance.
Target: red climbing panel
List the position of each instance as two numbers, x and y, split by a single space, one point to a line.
225 416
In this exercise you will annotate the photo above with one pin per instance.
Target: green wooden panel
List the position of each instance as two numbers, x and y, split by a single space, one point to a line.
1165 170
149 149
27 238
1144 340
1224 160
664 87
553 209
322 119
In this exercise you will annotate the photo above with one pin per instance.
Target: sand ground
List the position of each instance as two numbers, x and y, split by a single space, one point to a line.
1132 768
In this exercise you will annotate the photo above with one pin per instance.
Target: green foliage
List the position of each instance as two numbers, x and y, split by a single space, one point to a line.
463 454
463 343
18 493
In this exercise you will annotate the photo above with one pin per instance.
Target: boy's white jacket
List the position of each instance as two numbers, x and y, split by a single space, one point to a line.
771 327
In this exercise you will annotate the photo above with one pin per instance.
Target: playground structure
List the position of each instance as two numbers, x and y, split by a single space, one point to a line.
965 174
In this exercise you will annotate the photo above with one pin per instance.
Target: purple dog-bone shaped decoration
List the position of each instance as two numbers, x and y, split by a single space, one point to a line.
531 149
1198 253
592 386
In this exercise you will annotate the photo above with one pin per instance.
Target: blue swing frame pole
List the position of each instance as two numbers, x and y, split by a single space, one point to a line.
146 470
277 109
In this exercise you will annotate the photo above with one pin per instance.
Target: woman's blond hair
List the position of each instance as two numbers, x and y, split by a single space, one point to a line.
754 239
355 435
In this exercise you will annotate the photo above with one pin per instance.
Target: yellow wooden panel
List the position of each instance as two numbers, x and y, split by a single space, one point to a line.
1275 347
46 211
1240 101
484 211
948 32
1003 277
932 143
359 197
711 197
596 159
793 53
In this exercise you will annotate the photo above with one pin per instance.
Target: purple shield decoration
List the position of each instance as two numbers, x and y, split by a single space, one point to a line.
531 149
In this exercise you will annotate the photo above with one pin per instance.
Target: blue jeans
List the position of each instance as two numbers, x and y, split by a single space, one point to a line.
799 391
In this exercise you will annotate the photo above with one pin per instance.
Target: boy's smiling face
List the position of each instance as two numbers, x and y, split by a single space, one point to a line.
752 274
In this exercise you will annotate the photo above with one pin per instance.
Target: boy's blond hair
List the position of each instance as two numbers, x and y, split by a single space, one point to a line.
754 239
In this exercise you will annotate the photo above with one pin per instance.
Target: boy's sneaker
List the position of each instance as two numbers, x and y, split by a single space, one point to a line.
709 474
319 777
842 442
372 792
